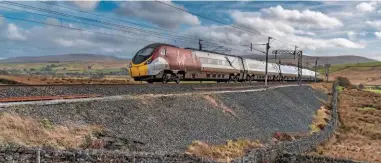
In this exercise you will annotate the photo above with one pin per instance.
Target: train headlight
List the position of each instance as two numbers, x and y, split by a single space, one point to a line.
129 65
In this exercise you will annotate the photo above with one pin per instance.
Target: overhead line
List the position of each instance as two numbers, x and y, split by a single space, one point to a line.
72 28
187 39
138 24
92 20
249 31
121 30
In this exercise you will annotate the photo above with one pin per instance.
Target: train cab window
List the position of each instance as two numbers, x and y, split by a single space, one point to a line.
142 55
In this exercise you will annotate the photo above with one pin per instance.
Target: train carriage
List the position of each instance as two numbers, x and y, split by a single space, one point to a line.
163 62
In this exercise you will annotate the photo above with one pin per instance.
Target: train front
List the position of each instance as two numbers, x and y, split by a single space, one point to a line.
147 64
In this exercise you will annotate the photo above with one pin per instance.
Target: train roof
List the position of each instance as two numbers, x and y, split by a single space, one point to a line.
213 52
154 45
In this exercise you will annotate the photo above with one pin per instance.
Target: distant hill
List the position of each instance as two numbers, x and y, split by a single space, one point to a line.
345 59
61 58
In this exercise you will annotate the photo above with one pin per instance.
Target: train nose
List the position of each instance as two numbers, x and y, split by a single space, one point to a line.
138 70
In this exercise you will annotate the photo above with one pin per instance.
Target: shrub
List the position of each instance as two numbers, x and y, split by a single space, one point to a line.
344 82
361 86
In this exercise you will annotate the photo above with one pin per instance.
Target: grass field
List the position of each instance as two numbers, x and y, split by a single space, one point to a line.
358 136
106 67
360 66
362 73
374 90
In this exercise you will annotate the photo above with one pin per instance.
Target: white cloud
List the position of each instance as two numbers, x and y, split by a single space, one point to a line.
306 33
286 25
14 33
378 34
111 50
365 7
53 21
87 5
341 42
351 35
250 21
375 24
308 18
379 11
354 35
157 13
64 42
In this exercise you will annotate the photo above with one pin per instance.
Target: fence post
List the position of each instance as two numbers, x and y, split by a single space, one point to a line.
38 155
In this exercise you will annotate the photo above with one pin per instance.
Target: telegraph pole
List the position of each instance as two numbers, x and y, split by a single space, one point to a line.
316 69
251 46
267 59
199 44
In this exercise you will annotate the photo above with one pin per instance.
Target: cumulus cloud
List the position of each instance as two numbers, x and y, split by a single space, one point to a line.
280 23
87 5
351 35
14 33
157 13
308 18
375 24
378 34
306 33
53 21
365 7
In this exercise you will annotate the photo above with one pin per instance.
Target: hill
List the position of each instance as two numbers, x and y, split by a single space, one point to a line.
322 60
365 73
61 58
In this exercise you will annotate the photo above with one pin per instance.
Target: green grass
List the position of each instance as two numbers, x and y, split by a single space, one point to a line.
367 108
360 66
340 88
374 90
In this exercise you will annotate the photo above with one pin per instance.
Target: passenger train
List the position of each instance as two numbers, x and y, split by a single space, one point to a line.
164 63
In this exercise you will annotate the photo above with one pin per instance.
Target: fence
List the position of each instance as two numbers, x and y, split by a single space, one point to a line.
305 144
267 154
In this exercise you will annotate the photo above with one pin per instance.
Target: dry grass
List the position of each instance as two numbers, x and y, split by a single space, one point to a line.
320 119
359 134
31 132
219 104
222 153
324 87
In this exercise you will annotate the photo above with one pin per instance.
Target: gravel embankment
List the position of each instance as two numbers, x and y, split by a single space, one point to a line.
170 123
112 90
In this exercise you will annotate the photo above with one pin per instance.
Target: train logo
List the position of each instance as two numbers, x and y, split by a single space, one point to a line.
180 59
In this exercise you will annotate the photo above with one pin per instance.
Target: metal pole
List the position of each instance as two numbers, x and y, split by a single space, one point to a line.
251 46
199 44
267 59
316 69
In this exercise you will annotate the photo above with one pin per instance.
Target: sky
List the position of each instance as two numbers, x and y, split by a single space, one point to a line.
319 28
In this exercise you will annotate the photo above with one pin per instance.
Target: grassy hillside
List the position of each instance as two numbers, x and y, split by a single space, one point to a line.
340 67
361 73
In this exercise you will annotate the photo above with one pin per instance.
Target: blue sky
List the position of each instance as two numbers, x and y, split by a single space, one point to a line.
122 28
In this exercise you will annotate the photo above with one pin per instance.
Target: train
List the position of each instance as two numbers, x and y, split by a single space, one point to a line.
165 63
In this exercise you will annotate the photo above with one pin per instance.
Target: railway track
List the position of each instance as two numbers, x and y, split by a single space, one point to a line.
21 93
